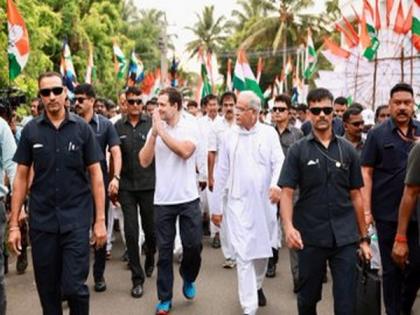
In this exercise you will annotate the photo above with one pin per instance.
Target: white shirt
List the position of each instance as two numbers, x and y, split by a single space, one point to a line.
175 177
216 133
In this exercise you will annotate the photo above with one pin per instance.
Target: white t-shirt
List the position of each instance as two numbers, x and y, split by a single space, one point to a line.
175 177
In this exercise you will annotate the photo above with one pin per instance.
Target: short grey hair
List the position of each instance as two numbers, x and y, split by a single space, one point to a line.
254 102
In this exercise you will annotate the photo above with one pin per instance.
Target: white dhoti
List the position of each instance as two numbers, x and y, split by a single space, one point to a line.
251 274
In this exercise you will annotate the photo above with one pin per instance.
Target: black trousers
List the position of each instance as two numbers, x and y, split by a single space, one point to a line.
100 254
191 230
312 263
61 267
399 287
130 202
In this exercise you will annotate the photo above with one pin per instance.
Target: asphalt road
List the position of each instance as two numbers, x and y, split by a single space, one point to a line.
216 291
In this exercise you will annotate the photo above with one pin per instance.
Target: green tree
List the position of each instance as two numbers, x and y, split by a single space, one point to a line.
209 32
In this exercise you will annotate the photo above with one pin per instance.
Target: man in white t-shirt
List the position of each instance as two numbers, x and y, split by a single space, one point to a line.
173 142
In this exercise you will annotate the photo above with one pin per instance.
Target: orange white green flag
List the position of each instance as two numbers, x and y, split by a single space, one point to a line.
415 26
18 50
243 77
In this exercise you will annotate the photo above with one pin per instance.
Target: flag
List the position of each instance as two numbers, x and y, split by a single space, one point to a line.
148 83
333 52
268 92
157 85
229 75
408 20
415 26
67 68
205 86
173 71
278 84
260 67
377 15
135 70
243 77
289 67
120 62
18 38
368 36
399 20
90 70
310 58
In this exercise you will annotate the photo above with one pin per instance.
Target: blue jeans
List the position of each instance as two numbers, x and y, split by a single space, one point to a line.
2 230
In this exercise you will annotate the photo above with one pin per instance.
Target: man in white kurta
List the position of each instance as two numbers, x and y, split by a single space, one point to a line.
248 168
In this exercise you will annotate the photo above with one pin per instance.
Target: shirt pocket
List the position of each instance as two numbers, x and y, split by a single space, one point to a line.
312 175
74 157
390 159
40 158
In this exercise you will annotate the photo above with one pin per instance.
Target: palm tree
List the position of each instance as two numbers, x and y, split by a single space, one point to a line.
208 30
250 11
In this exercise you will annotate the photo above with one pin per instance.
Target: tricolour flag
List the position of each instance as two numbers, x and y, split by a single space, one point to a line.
310 58
135 70
90 70
260 67
18 49
229 75
415 26
243 77
368 36
120 63
333 52
205 88
289 67
67 68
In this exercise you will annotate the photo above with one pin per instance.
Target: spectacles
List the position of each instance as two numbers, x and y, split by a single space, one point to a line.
317 110
132 102
47 92
80 100
278 109
357 123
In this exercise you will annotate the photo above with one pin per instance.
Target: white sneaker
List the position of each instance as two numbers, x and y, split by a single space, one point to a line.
229 264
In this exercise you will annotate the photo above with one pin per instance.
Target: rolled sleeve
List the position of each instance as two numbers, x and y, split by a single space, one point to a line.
23 154
91 151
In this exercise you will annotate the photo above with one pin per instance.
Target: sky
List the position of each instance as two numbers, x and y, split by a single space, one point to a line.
183 13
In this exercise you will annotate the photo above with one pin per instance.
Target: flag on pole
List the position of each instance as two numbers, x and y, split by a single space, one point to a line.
289 67
90 70
67 68
368 36
120 63
408 20
229 75
399 20
243 77
135 70
148 83
333 52
18 38
311 57
173 71
157 86
260 67
205 87
415 26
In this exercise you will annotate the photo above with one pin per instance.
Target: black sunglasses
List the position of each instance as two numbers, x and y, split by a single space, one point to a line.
132 102
279 109
80 100
317 110
357 123
47 92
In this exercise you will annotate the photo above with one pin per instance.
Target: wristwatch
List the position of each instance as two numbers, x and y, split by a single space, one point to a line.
117 177
364 239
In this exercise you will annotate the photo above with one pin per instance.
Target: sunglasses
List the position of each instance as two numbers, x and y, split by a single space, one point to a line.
80 100
47 92
317 110
357 123
132 102
279 109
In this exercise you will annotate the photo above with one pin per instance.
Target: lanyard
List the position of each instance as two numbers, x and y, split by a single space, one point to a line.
338 164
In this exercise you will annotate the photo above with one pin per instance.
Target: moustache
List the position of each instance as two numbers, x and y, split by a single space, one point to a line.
402 113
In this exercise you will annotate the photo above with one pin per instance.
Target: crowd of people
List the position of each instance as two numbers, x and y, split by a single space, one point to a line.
316 177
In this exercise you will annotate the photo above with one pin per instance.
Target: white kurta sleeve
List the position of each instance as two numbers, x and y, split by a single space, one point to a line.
201 155
221 177
277 158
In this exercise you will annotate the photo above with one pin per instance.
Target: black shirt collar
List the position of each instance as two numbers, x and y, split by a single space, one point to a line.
311 137
125 120
69 117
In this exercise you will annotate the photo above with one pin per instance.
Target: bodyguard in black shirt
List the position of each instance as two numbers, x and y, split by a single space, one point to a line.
63 151
384 163
327 221
137 187
107 137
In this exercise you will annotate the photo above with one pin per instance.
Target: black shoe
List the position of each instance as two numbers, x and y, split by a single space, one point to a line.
137 291
22 262
149 265
262 301
216 242
100 285
271 270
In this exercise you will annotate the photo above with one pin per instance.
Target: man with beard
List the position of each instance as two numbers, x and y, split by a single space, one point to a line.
107 137
384 163
327 222
172 143
216 135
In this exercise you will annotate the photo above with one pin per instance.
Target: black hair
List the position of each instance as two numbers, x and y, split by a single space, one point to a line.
378 111
174 96
50 74
151 102
317 95
341 100
109 104
302 107
86 89
226 95
133 90
209 98
284 98
402 87
353 110
192 103
357 105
